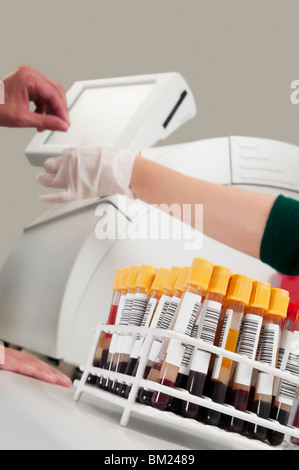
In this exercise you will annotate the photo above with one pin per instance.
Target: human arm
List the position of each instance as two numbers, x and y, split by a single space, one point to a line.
27 85
233 216
27 364
257 224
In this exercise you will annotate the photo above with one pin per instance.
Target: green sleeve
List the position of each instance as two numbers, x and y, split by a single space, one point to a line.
280 243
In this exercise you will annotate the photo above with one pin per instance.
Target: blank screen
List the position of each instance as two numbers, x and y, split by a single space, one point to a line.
101 114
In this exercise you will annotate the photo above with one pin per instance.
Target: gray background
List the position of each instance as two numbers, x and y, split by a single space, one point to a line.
238 56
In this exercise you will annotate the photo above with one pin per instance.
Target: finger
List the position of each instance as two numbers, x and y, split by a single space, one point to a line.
52 165
44 122
57 198
44 89
60 90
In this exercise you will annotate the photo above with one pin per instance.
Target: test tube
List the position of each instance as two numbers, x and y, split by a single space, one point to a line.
237 298
248 344
268 353
198 282
163 319
143 284
210 314
116 342
157 290
286 393
104 340
108 346
295 440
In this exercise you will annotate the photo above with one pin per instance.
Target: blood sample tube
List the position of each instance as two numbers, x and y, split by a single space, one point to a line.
295 440
268 353
198 282
109 345
104 341
143 284
116 342
248 344
286 393
157 290
163 319
238 295
209 317
288 328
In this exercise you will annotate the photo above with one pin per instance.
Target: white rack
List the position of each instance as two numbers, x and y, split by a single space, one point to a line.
130 405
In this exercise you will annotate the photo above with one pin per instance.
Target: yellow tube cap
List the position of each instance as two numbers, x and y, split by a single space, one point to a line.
117 279
239 288
182 281
219 280
160 280
201 272
123 281
172 278
132 276
279 302
260 295
146 276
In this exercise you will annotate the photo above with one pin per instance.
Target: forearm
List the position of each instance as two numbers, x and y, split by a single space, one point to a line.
233 216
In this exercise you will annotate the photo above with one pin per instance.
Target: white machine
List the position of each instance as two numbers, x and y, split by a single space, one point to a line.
56 284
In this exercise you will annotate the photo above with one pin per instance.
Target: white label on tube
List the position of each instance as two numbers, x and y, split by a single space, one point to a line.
283 354
268 355
248 343
187 315
145 322
120 309
138 310
156 323
222 342
210 314
163 321
287 390
124 320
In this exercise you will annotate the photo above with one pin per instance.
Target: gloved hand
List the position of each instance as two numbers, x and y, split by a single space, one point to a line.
88 171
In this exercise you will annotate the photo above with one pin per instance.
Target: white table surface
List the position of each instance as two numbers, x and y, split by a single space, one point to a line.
39 416
36 415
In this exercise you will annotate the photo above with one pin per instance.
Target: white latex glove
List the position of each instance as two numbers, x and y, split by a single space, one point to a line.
86 172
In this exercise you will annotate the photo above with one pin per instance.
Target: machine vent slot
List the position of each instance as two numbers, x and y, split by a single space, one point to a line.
176 107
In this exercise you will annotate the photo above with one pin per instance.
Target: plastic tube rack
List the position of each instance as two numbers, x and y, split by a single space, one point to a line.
130 405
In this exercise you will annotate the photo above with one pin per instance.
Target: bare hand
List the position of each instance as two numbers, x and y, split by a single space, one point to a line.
27 364
27 85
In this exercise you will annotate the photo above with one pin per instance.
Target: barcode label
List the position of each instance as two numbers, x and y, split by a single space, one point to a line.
288 390
250 334
189 349
126 311
149 312
207 331
187 315
156 322
268 355
269 346
170 313
121 306
248 343
166 320
210 315
138 309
